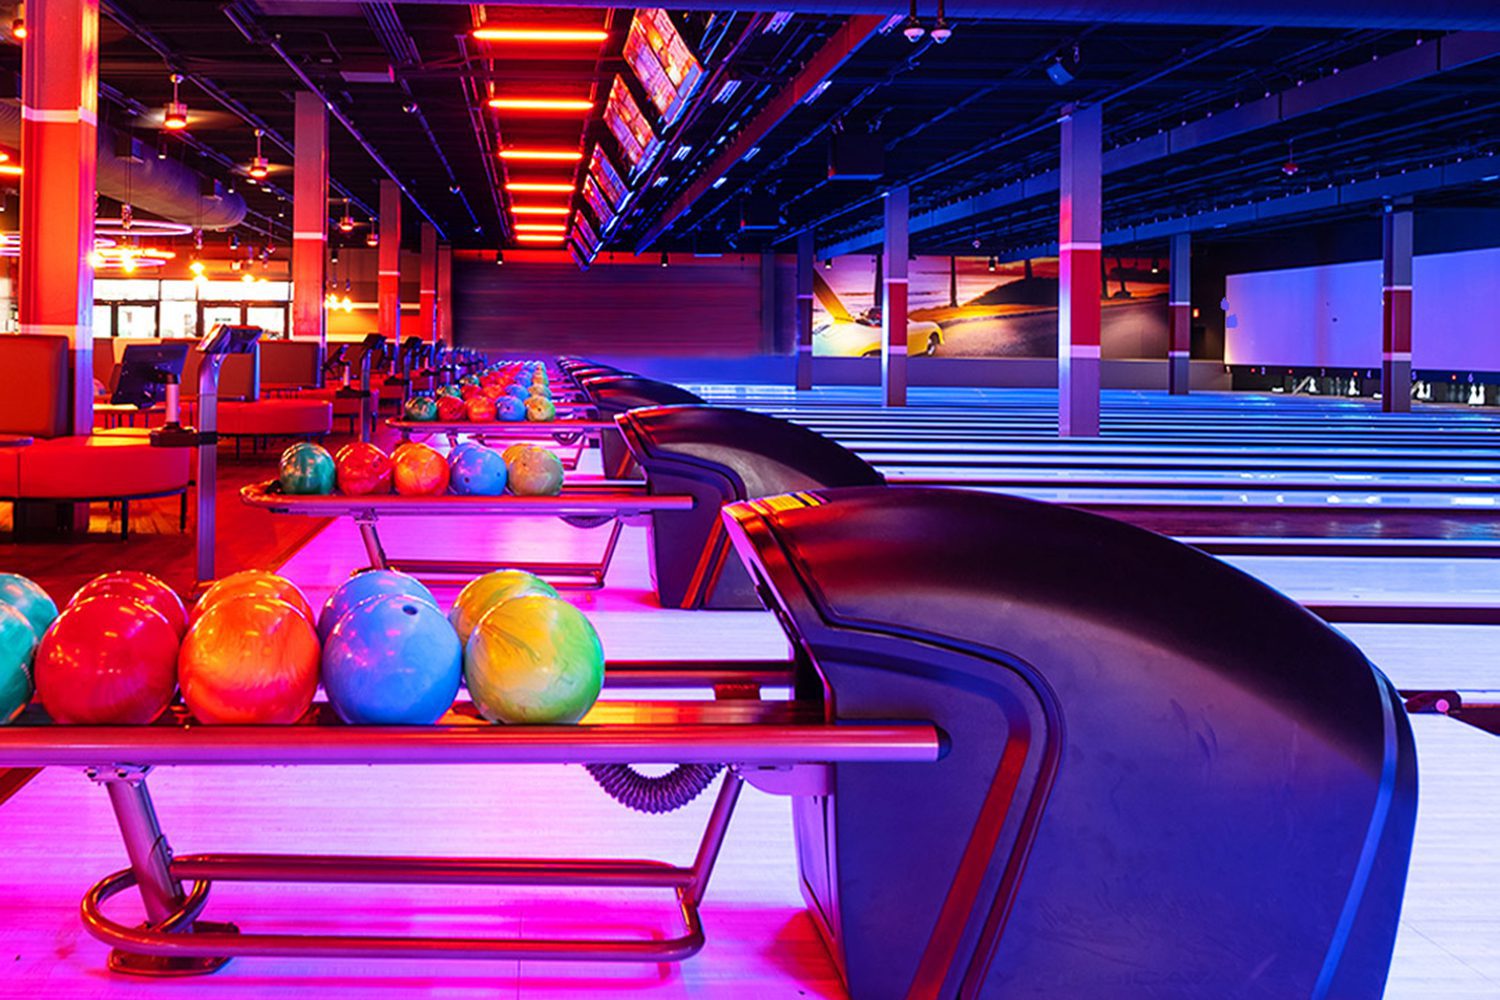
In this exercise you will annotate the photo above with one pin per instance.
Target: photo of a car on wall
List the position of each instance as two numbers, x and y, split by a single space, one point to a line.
839 333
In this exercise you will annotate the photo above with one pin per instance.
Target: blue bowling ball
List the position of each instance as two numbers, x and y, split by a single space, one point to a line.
518 391
367 585
512 408
477 471
393 660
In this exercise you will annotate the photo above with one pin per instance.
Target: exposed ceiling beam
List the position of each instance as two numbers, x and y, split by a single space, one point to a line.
1446 15
842 44
1405 67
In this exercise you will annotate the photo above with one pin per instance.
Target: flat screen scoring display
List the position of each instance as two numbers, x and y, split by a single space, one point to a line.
628 125
667 69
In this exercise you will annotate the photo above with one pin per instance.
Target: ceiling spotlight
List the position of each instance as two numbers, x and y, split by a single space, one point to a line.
941 29
372 238
410 107
664 260
18 23
499 257
234 241
1058 73
161 147
912 26
1290 168
346 224
992 265
828 263
259 165
1155 266
454 189
175 116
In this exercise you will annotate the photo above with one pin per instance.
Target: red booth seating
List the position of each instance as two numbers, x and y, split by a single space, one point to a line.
58 467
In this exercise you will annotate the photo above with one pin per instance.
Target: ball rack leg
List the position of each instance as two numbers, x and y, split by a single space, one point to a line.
150 861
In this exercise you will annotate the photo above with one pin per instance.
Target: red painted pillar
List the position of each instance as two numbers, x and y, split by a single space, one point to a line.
1078 241
445 294
1395 360
310 220
427 289
804 311
389 287
59 156
1180 305
893 309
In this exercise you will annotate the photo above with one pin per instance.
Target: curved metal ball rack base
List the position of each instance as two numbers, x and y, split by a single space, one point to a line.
781 747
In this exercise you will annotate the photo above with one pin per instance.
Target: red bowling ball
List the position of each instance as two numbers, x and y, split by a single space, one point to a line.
363 469
450 409
143 587
480 409
107 660
420 471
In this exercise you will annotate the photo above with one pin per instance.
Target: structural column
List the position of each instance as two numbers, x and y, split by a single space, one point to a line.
893 305
310 220
389 286
804 310
445 294
1395 276
1180 305
1078 244
59 157
427 286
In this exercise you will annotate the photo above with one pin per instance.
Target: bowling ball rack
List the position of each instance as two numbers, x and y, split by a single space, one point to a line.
579 432
780 747
584 505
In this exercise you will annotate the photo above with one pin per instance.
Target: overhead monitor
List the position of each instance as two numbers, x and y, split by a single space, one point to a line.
583 232
597 203
628 125
662 61
603 171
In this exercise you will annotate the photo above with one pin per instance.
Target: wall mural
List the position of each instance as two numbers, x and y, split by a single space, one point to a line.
958 307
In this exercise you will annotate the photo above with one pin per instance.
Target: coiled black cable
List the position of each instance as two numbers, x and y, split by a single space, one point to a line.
660 794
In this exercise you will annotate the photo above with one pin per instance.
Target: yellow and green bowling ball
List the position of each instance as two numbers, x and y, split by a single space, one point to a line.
539 407
534 472
534 659
483 594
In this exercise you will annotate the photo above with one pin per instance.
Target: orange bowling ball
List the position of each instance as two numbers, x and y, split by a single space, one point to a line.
143 587
249 660
256 582
421 471
107 660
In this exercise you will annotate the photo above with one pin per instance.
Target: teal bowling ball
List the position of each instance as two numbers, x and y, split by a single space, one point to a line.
31 600
477 472
367 585
420 409
450 390
392 661
17 646
307 469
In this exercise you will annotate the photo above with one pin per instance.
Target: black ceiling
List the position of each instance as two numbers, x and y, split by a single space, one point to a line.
956 120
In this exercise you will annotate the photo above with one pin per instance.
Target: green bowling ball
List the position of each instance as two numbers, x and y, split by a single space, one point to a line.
534 472
307 469
31 600
421 409
540 408
17 645
534 659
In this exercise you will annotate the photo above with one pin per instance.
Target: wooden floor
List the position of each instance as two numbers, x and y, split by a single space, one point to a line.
760 942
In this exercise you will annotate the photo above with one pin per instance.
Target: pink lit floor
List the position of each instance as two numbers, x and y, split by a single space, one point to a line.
59 837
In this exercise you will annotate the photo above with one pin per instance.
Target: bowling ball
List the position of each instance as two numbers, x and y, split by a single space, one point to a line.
257 582
362 469
367 585
29 599
511 451
468 392
535 472
107 660
448 390
421 471
484 593
143 587
534 659
519 391
450 408
392 661
540 408
17 646
511 408
480 409
249 660
307 469
477 472
422 409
